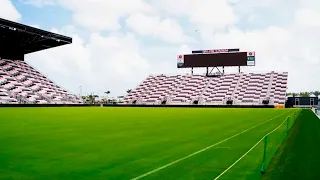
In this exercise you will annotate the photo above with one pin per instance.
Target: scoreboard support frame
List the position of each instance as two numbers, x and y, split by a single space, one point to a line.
216 67
210 73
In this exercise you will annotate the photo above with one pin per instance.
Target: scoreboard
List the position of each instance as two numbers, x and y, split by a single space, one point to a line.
216 59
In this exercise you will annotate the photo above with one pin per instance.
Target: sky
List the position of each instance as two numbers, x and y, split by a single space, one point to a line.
118 43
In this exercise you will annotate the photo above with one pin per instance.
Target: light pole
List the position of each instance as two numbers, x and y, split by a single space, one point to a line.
80 87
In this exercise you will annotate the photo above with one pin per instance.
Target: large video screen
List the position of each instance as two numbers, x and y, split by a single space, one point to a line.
216 60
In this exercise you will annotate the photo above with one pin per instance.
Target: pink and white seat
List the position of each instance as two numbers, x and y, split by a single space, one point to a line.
22 82
242 88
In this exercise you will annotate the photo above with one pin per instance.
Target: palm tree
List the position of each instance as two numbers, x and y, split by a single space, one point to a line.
307 94
107 92
304 94
129 91
316 93
94 98
90 98
84 98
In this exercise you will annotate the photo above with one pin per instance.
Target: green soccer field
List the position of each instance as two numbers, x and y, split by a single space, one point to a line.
127 143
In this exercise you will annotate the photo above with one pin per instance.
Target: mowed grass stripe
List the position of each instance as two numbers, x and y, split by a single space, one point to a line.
233 164
210 163
204 149
111 143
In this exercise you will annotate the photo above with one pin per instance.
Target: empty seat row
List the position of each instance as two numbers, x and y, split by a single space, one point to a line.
242 88
21 83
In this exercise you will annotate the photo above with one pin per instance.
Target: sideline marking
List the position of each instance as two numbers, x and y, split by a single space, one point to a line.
201 150
314 111
249 151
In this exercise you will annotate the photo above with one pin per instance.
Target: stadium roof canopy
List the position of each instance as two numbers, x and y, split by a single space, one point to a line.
17 39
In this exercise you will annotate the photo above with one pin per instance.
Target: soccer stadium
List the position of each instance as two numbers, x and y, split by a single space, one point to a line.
215 125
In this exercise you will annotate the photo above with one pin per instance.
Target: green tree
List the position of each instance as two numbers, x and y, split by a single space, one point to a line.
91 98
316 93
104 100
107 93
304 94
94 98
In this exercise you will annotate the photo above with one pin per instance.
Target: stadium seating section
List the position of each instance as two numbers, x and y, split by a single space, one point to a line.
241 89
21 83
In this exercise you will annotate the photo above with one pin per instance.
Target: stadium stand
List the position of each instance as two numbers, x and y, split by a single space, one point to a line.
240 89
20 83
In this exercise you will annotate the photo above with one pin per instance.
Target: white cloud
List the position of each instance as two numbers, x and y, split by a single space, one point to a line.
8 11
293 49
309 4
213 13
39 3
99 15
253 4
166 29
307 17
34 25
104 63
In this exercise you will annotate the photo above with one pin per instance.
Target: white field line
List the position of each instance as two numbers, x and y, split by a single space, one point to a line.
318 115
201 150
249 150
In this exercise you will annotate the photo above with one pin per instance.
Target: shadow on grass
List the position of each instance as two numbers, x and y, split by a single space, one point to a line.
299 155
